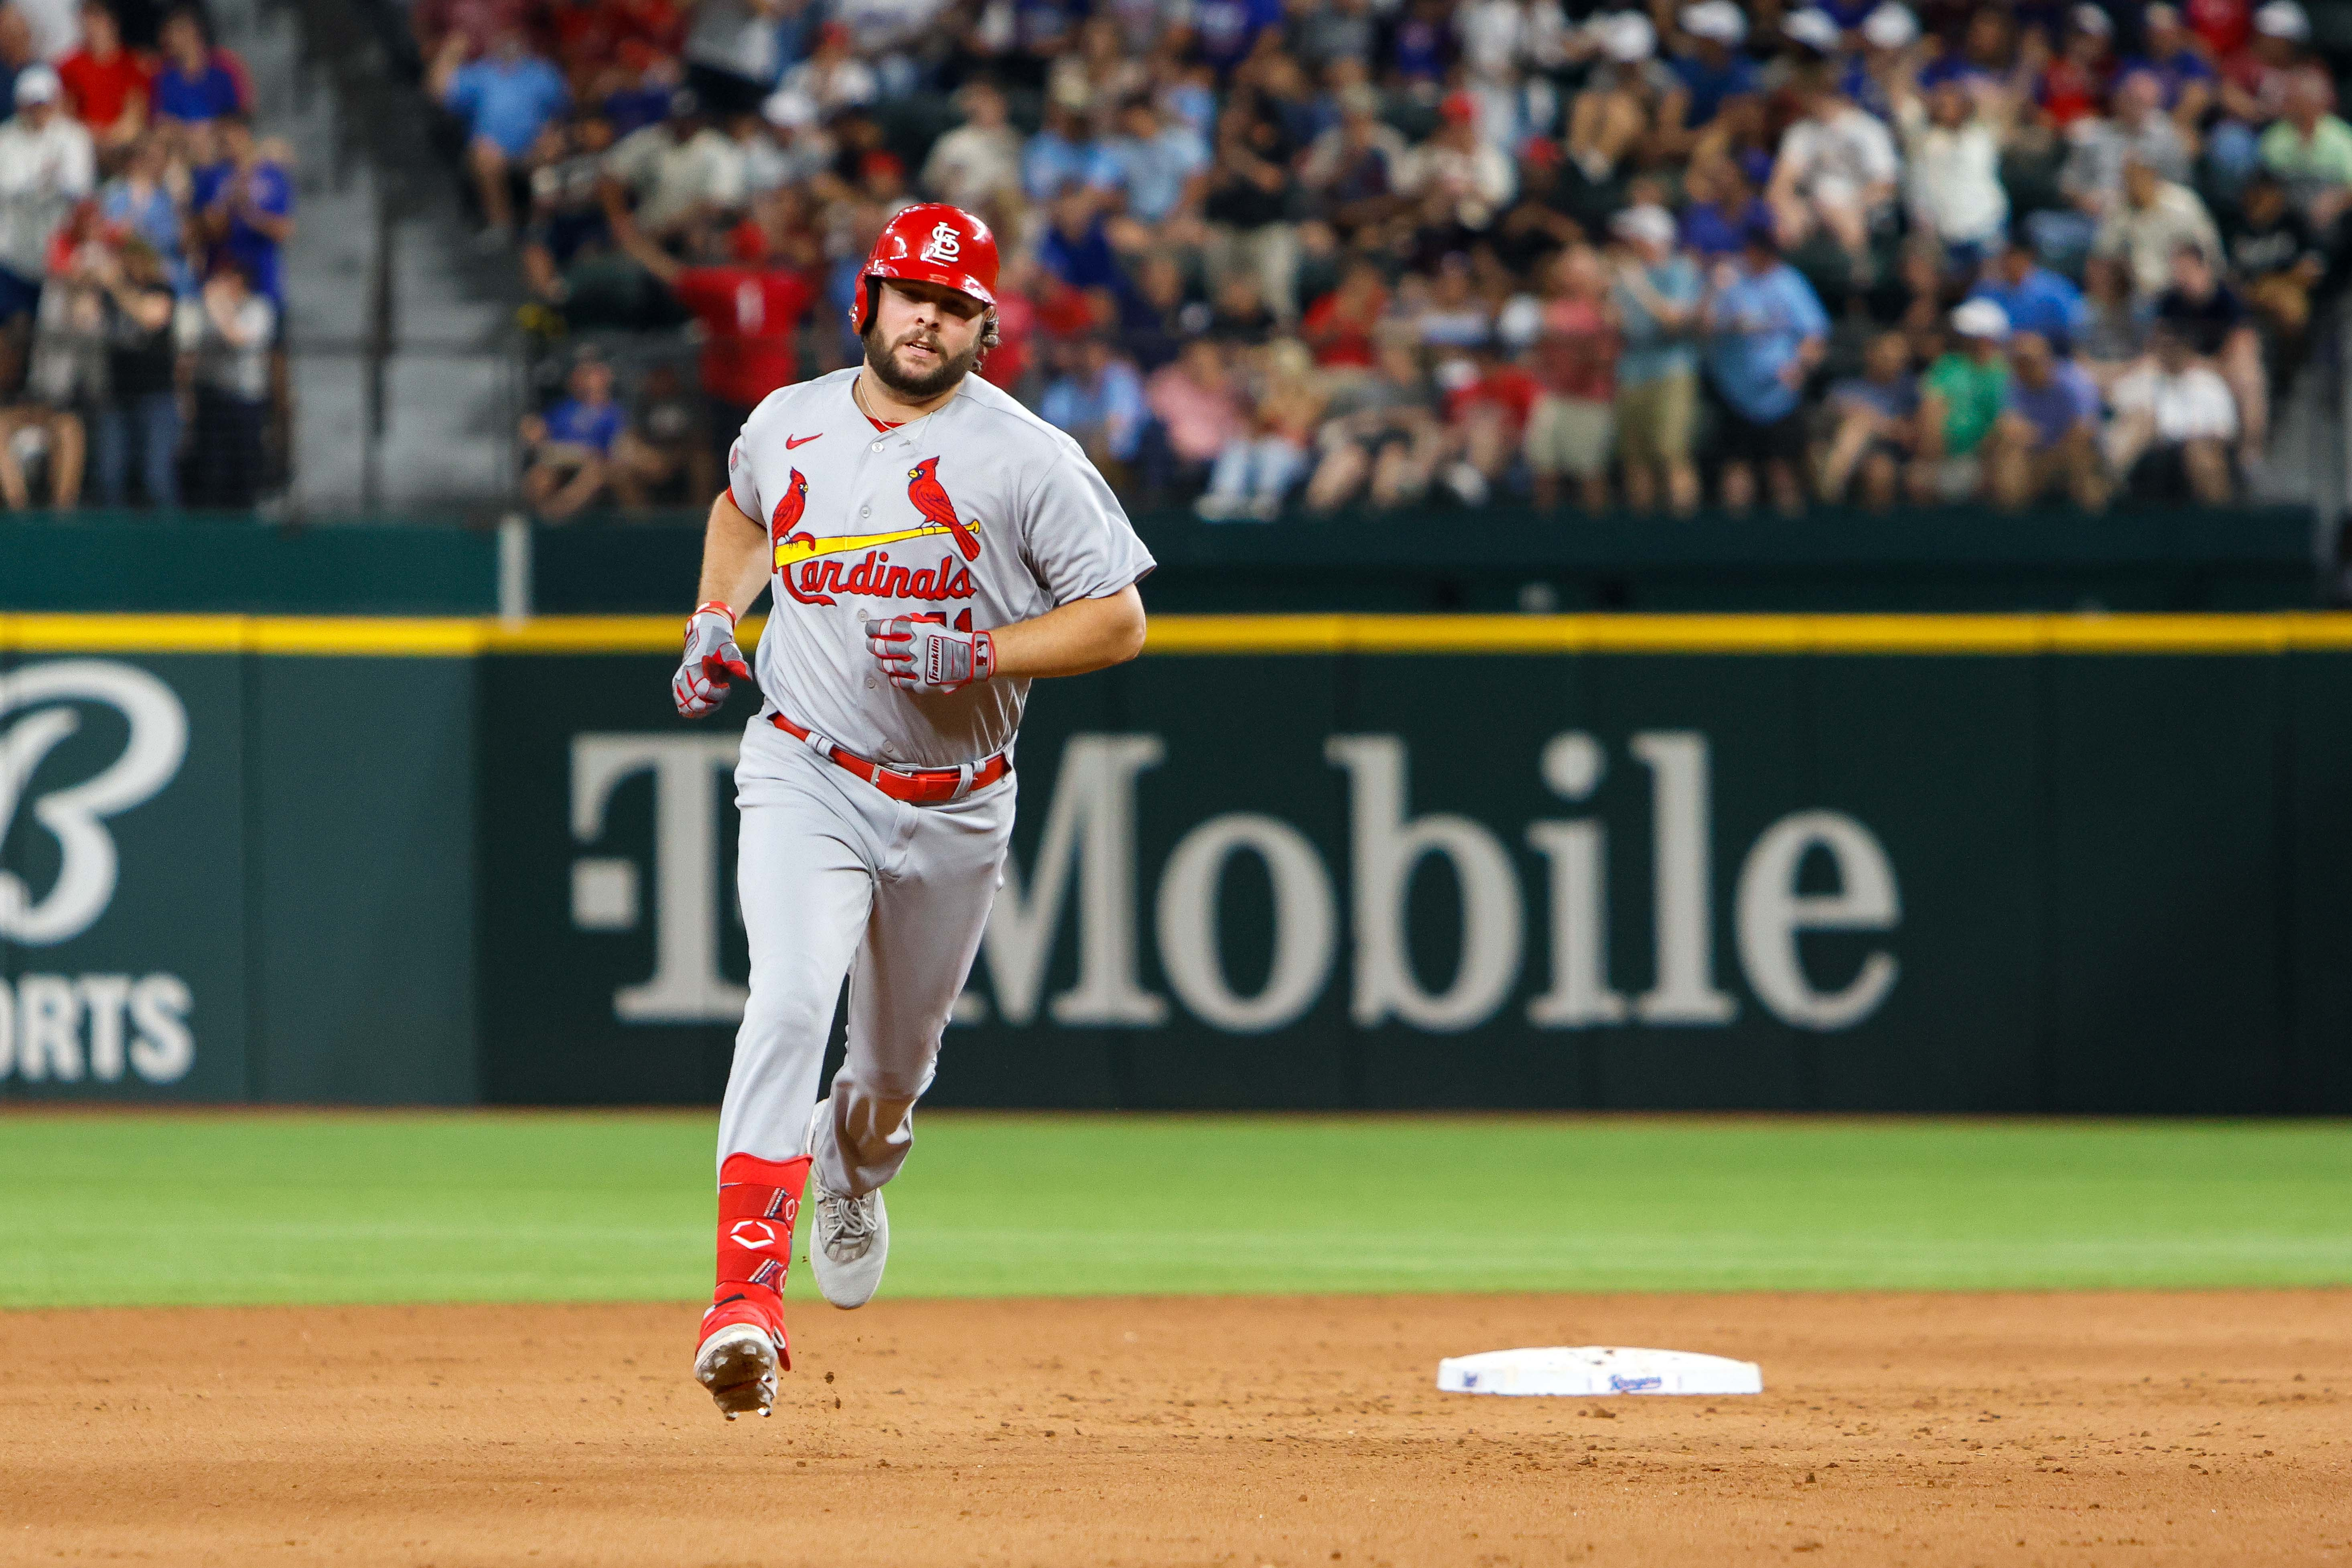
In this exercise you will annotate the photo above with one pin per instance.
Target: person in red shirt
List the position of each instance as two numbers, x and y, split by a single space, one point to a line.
105 84
1572 429
2075 86
1487 403
1339 327
2224 25
749 303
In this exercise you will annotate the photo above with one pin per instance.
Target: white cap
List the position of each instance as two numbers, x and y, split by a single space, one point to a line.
787 108
1813 27
1981 318
1655 224
1627 38
38 84
1891 27
1718 20
2283 19
2091 19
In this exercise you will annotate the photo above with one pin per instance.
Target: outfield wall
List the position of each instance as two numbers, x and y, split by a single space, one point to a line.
1998 863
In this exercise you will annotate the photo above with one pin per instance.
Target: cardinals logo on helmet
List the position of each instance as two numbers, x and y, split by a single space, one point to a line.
946 244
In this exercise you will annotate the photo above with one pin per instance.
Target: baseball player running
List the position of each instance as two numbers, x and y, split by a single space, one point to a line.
931 547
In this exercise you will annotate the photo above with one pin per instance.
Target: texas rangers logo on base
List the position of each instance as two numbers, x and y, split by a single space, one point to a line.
946 244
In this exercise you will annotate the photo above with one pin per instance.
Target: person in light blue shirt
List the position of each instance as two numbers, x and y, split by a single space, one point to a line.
506 98
2035 299
1065 153
1657 296
1098 399
1766 331
1155 161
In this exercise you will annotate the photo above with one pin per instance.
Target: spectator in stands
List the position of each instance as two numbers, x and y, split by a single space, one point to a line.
1158 162
734 54
479 22
2032 298
1247 202
2074 87
1201 418
196 81
567 211
106 86
834 77
2174 420
1836 172
669 179
1487 405
749 302
1877 431
1626 97
140 201
2271 246
1952 149
246 206
140 419
1383 429
569 450
2047 436
1711 73
2155 219
663 444
235 327
47 163
2254 89
507 98
2311 150
1571 430
1099 398
979 158
2208 316
2095 175
1960 400
16 51
1657 297
1766 331
2185 80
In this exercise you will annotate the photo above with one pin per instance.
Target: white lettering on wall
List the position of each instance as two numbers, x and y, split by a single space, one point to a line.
76 816
1386 848
1580 997
1772 912
687 986
60 1028
1306 922
1091 826
1683 902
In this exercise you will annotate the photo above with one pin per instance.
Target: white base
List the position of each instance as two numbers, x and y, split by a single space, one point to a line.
1582 1370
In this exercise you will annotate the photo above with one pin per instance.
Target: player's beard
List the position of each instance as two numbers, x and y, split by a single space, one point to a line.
882 359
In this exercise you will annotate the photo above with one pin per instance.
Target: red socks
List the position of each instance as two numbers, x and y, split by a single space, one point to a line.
759 1204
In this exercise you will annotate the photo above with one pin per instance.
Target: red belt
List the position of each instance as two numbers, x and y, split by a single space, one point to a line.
920 786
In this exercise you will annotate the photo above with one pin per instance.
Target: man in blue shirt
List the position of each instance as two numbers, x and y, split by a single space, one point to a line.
2048 434
1099 400
247 206
507 98
570 447
1065 153
1766 331
1712 71
2033 297
1155 161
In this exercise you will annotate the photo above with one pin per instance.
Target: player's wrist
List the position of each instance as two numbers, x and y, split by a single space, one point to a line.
715 606
983 655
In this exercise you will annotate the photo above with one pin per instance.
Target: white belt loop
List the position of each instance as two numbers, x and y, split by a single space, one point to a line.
963 781
819 745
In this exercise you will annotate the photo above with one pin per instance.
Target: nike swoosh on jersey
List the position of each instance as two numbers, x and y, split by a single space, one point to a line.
799 547
793 441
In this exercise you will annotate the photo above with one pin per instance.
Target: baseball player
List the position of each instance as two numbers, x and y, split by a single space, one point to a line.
931 547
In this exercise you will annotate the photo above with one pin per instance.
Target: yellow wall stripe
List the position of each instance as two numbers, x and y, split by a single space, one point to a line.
444 637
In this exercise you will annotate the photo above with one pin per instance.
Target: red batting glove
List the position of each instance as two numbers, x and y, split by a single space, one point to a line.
712 661
920 653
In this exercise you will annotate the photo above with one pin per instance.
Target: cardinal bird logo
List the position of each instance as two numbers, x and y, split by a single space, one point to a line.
788 509
931 499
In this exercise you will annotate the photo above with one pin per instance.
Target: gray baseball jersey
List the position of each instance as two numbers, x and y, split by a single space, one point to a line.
978 513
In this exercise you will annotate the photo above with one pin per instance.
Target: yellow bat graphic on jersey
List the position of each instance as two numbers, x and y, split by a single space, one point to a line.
796 548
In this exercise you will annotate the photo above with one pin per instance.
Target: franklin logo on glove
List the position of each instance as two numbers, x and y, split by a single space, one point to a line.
922 653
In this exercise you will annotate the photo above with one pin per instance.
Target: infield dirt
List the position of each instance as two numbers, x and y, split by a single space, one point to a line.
2197 1427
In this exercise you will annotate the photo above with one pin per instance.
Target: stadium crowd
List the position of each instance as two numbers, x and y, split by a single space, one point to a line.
1332 253
141 225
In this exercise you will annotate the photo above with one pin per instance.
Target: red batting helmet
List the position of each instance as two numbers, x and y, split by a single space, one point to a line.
930 243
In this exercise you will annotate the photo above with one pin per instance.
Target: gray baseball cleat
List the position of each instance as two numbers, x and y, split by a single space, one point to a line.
850 1239
737 1363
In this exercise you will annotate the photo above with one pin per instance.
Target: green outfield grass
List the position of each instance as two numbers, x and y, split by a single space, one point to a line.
358 1206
